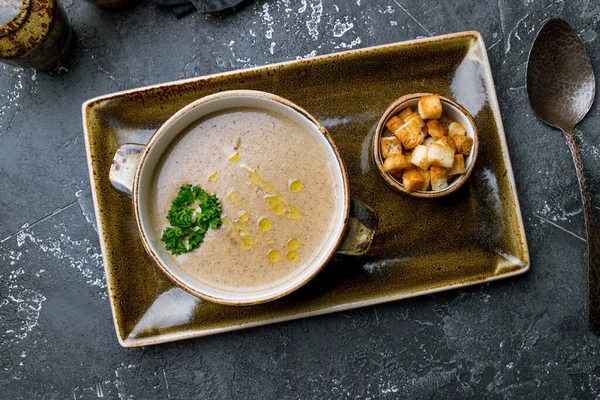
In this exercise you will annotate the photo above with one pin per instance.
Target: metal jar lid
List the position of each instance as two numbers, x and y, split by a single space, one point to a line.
12 15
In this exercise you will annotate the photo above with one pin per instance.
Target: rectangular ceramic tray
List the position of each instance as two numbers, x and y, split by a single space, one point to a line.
422 246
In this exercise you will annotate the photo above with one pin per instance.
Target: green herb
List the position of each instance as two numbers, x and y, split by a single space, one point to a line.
192 213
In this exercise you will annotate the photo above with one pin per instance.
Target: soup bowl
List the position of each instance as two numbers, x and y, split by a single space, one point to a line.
134 164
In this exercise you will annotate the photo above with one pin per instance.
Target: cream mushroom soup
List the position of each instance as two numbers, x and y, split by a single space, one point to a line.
276 187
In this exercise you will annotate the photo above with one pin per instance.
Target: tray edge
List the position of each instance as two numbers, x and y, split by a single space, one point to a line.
340 54
495 106
109 283
173 337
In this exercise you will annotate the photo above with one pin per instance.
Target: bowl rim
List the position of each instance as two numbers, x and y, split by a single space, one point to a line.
378 158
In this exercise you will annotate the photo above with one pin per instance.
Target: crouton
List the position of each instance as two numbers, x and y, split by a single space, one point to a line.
395 163
412 180
405 113
427 175
439 178
459 165
456 129
441 156
419 157
390 145
410 134
447 141
436 129
430 107
427 142
464 144
415 116
394 123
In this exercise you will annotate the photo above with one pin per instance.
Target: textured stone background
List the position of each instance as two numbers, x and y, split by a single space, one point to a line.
524 337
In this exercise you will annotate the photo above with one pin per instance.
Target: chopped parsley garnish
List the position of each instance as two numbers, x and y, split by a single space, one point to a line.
192 213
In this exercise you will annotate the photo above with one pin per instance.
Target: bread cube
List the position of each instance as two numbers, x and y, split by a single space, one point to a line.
427 175
412 180
416 117
456 129
410 134
439 178
394 123
441 156
408 156
436 129
390 145
459 165
430 107
395 163
464 144
427 142
447 141
420 157
405 113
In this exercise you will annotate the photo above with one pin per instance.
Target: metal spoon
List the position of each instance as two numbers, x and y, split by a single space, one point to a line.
561 89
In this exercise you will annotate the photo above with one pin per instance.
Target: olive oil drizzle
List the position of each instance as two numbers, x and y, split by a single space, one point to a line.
239 232
280 205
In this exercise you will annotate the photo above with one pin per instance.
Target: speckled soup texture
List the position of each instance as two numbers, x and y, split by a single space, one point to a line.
242 257
466 237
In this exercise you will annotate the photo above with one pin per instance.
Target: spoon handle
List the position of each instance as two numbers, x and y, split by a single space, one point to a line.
593 238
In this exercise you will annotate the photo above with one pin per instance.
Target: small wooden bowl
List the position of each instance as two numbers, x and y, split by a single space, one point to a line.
451 110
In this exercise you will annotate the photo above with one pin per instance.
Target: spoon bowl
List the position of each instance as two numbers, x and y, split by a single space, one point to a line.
560 80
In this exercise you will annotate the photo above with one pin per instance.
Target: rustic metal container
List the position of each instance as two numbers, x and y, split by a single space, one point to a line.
35 34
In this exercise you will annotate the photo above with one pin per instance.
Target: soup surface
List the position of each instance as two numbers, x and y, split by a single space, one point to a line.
276 187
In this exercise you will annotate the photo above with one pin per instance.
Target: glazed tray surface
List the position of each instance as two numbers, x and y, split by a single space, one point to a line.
421 246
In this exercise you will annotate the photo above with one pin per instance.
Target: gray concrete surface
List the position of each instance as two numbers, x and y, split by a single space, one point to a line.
519 338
